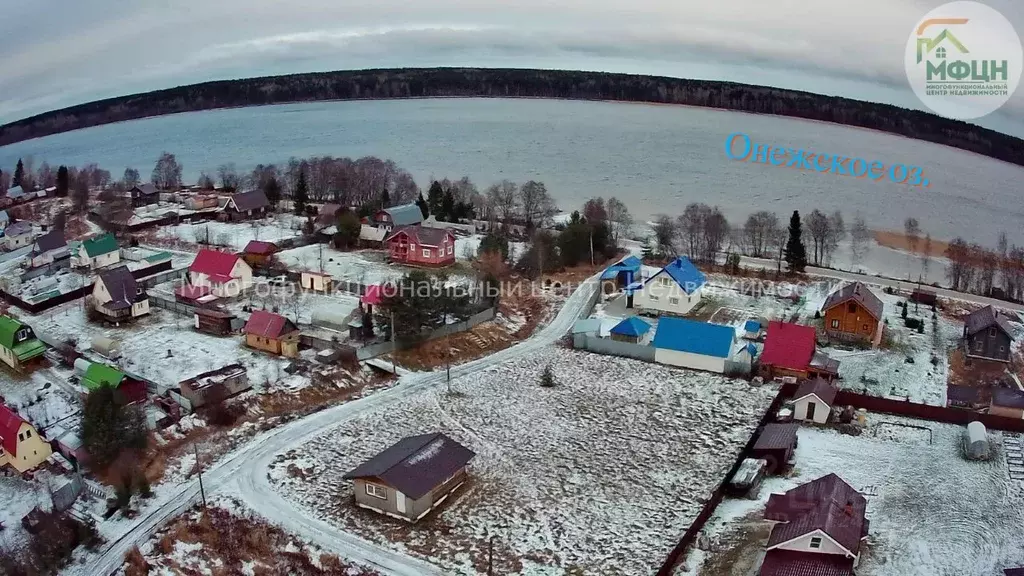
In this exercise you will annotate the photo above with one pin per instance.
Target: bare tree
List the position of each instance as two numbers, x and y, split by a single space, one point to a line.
1002 249
1015 270
758 230
836 234
5 181
131 178
664 234
926 255
818 228
912 230
618 214
46 177
533 196
775 241
987 264
690 226
503 198
960 270
860 240
716 232
167 172
228 176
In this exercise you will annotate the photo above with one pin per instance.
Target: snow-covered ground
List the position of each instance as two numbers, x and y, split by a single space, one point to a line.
364 266
466 247
601 474
932 512
236 235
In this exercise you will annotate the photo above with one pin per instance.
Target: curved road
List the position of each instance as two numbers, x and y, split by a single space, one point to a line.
243 472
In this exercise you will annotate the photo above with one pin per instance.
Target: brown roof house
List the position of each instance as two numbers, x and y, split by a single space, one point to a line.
776 445
412 477
853 313
819 529
118 297
272 333
247 205
987 335
813 400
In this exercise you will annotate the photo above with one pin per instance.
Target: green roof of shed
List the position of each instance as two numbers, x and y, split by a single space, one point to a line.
99 245
8 327
97 375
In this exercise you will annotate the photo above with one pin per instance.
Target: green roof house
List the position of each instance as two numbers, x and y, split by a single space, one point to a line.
98 252
18 343
97 375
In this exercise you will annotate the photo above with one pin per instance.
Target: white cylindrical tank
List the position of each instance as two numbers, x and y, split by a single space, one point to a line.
106 346
977 441
81 365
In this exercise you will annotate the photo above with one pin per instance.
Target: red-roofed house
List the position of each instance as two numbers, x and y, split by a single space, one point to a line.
258 253
819 528
23 448
789 352
272 333
225 274
419 246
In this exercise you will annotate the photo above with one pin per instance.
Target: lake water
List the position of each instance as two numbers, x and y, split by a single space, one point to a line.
657 158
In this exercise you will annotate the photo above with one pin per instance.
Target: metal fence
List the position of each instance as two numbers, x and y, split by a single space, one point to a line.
172 305
611 347
162 277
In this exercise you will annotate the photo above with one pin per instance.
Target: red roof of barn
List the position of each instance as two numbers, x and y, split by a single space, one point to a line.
213 263
10 423
828 504
788 345
261 248
268 325
792 563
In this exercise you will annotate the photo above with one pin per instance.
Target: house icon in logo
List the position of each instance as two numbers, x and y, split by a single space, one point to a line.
926 45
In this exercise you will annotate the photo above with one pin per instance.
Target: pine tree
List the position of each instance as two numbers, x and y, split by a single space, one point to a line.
63 181
272 190
301 193
447 206
424 208
19 173
385 199
547 379
646 250
796 252
435 197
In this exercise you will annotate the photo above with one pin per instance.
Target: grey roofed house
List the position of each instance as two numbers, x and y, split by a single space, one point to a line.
145 189
423 236
405 215
983 318
4 217
859 293
251 200
123 289
417 464
18 228
52 240
15 192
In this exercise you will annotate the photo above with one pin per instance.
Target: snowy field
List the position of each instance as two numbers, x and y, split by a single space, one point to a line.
236 235
932 512
164 348
601 474
364 266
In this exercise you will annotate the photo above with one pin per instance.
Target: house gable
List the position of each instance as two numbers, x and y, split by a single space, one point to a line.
802 543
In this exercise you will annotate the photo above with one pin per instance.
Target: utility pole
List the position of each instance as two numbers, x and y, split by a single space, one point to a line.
591 246
321 257
394 366
490 555
202 491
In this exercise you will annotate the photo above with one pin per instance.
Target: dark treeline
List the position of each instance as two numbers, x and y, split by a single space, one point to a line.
509 83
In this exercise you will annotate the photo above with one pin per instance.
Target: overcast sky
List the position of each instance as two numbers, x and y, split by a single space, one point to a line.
59 53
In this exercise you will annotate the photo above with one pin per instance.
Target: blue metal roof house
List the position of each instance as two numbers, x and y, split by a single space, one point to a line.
692 344
751 329
631 329
623 272
675 289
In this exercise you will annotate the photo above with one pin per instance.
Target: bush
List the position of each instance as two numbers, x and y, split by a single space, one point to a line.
817 314
914 324
224 414
547 379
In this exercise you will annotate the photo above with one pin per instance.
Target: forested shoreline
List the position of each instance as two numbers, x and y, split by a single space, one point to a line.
518 83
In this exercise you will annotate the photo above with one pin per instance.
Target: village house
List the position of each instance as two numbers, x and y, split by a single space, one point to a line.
246 205
371 236
675 289
819 528
118 297
144 194
215 386
776 445
129 390
18 235
327 216
412 477
15 194
419 246
259 253
1008 402
790 354
987 335
225 274
630 330
620 275
23 447
50 250
97 252
272 333
389 219
316 281
853 312
813 400
692 344
216 322
19 347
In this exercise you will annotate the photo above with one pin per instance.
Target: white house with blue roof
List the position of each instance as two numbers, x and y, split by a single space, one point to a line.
692 344
675 289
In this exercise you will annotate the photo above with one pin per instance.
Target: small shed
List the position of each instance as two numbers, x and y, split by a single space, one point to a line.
977 441
752 329
813 401
924 296
748 477
631 330
106 347
776 445
216 322
316 281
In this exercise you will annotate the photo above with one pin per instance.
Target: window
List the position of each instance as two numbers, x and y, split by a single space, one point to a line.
653 298
426 252
673 300
977 345
450 250
377 491
992 332
28 434
1002 348
835 323
816 542
852 308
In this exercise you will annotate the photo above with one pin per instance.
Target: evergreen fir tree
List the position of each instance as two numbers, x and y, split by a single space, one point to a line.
796 252
19 173
447 207
646 250
301 193
385 200
547 379
435 197
423 206
63 181
272 190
